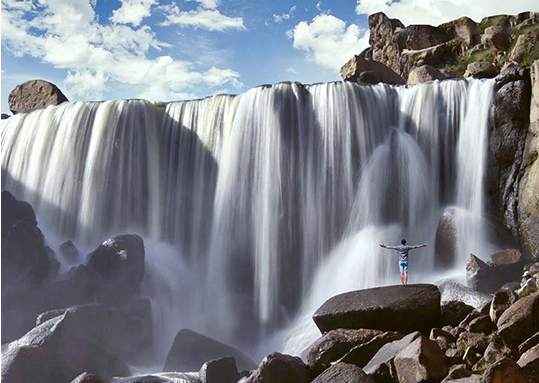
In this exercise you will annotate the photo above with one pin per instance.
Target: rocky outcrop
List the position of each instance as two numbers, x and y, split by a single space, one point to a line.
282 368
191 350
361 69
382 308
34 94
452 46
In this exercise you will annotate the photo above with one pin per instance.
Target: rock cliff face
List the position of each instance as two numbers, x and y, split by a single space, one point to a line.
497 42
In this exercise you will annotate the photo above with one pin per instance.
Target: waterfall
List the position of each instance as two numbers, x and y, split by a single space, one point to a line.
271 201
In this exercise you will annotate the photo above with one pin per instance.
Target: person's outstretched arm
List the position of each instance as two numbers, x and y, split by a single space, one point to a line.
387 247
419 246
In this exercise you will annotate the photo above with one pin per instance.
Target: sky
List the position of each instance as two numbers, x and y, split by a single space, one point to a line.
165 50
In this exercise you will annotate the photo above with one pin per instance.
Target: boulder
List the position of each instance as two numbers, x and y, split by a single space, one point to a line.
482 324
70 344
363 353
480 276
222 370
445 243
343 373
501 302
494 352
508 264
454 356
520 320
87 378
424 73
335 344
119 265
69 252
496 35
26 363
466 29
529 343
481 69
529 361
34 94
504 371
443 338
379 366
281 368
361 69
469 339
25 262
420 361
454 312
525 43
382 308
191 350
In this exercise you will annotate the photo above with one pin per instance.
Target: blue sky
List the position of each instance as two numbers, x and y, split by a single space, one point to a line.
181 49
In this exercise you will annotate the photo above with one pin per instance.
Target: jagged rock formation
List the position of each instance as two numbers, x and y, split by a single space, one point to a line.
498 42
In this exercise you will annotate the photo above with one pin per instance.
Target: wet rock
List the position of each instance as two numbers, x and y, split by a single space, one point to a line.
380 365
520 320
191 350
503 371
335 344
69 252
529 361
282 368
445 244
343 373
424 73
501 302
481 69
34 94
363 353
87 378
119 265
382 308
420 361
222 370
454 312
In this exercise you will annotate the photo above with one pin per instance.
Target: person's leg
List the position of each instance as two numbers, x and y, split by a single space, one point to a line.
405 278
402 279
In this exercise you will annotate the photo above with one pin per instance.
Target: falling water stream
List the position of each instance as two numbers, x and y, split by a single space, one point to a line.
256 208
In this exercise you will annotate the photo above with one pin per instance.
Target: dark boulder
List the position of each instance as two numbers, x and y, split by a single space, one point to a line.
382 308
529 361
454 312
482 324
445 244
23 364
191 350
420 361
34 94
363 353
119 265
508 265
501 302
222 370
69 252
480 276
504 371
379 367
532 341
479 342
334 345
343 373
54 264
281 368
520 320
87 378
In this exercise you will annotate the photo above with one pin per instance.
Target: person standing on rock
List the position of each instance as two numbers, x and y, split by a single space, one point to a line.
403 257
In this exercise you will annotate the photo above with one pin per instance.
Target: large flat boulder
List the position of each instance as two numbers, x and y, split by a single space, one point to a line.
406 309
34 94
191 350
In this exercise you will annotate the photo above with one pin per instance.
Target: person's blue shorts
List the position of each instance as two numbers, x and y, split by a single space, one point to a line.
403 267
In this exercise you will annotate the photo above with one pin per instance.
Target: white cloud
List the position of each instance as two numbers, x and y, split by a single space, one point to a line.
436 12
328 41
291 70
208 19
132 11
285 16
210 4
67 34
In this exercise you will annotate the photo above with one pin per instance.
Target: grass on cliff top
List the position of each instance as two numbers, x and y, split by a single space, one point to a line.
460 67
490 22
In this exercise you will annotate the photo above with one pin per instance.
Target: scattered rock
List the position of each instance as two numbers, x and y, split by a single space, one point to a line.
481 69
222 370
191 350
363 353
482 324
34 94
343 373
69 252
334 345
382 308
420 361
281 368
494 352
454 312
119 265
469 339
454 356
529 343
424 73
504 371
520 320
501 302
529 361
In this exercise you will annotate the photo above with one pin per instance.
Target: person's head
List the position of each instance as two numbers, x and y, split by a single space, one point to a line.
403 241
527 274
